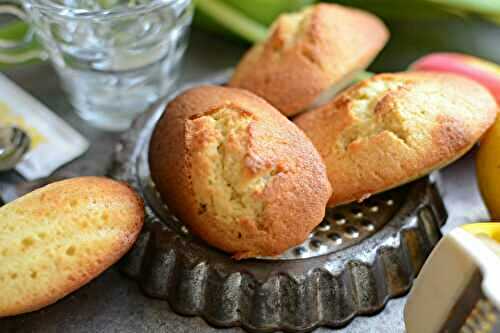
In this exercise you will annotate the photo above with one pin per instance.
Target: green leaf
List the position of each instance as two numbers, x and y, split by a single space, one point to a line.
399 9
232 19
17 31
14 31
266 11
244 19
482 7
207 23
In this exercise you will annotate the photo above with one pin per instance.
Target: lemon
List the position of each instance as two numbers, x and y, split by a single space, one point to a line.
488 169
488 229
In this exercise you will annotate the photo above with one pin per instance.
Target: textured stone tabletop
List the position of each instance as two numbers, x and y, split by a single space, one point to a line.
113 303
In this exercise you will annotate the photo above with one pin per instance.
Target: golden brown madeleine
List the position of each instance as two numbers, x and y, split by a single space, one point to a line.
309 52
237 172
59 237
393 128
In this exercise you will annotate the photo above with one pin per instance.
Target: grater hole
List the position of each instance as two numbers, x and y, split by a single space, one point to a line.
351 232
340 221
324 226
368 225
300 251
335 237
184 230
357 212
316 243
370 202
335 217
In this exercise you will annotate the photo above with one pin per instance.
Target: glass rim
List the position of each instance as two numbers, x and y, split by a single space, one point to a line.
76 13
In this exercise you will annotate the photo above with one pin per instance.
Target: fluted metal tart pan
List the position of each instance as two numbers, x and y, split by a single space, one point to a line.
361 255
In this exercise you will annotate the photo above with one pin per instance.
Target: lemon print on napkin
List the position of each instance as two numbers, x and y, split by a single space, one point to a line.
8 118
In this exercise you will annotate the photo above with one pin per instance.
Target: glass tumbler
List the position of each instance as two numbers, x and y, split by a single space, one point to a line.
114 57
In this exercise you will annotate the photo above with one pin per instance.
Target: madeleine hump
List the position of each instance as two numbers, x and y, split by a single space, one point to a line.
238 173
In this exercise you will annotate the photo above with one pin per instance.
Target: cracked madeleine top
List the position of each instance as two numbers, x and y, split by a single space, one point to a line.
393 128
307 53
237 172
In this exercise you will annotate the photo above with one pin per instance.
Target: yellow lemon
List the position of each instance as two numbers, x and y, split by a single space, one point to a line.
488 229
488 169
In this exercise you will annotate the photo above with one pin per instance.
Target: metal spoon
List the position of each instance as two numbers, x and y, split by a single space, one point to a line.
14 143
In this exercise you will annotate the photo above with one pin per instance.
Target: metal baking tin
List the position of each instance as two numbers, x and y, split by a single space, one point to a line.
361 255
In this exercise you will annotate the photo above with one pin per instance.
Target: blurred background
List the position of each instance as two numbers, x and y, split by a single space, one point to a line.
417 26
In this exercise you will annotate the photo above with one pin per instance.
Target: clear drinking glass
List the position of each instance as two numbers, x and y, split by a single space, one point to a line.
114 57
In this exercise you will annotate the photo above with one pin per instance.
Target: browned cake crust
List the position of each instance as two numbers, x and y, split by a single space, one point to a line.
308 52
59 237
237 172
394 128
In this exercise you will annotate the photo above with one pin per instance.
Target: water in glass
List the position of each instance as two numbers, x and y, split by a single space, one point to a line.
114 57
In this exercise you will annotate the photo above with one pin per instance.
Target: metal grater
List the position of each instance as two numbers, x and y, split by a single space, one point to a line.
473 312
458 287
484 318
360 256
